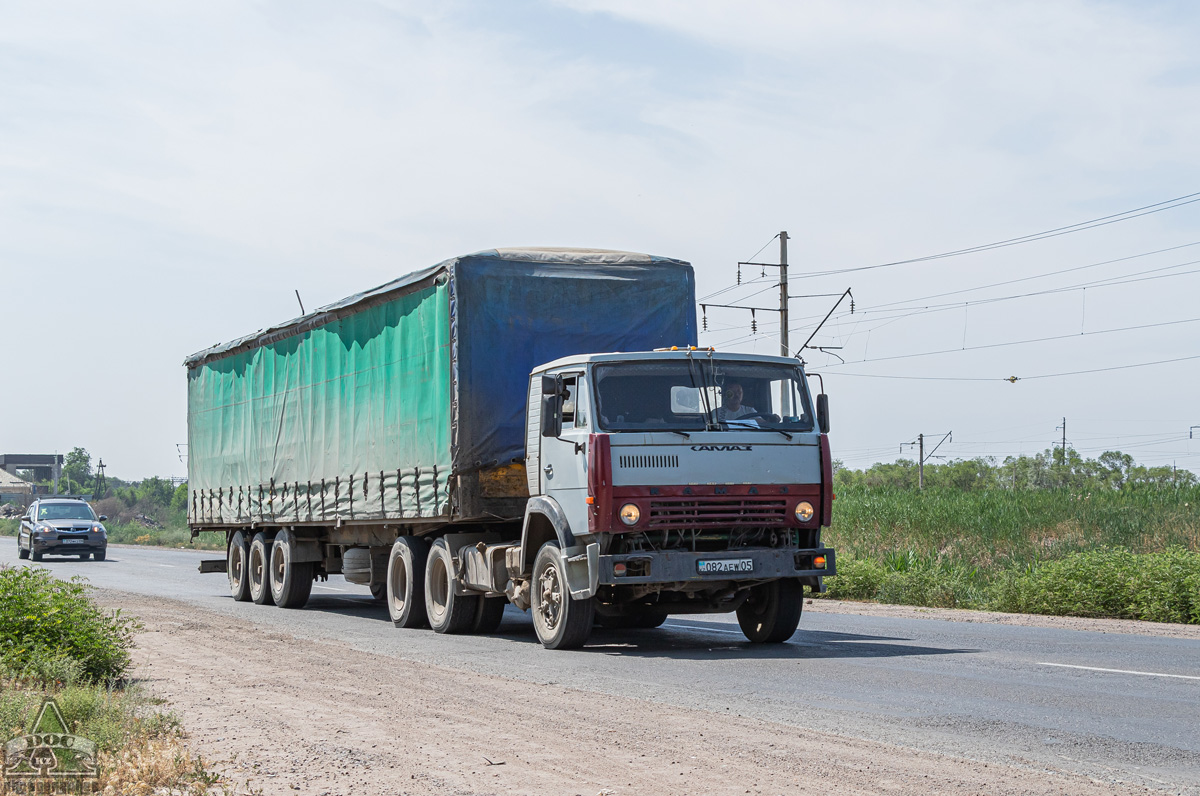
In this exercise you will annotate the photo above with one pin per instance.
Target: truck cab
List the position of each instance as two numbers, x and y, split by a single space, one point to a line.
675 481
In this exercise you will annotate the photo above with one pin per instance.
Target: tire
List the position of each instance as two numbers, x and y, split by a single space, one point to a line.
643 619
448 612
771 613
237 567
84 556
36 555
379 592
291 581
22 553
258 567
99 555
560 622
406 582
490 615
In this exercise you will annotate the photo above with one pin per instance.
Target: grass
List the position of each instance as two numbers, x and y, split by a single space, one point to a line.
1131 554
55 642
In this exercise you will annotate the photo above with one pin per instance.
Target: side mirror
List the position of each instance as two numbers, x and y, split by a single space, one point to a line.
552 385
552 416
103 517
823 413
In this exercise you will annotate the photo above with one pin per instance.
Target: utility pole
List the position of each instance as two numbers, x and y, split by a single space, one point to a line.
785 389
921 456
101 486
1062 452
921 461
783 295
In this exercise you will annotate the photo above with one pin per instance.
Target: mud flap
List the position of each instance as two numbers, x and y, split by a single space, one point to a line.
581 563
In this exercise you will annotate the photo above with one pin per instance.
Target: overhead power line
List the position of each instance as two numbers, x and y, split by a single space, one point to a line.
1071 336
1137 212
1021 378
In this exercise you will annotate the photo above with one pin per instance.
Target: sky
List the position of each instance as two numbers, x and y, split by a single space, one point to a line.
171 173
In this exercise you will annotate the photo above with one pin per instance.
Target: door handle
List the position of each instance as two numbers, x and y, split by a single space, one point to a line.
548 470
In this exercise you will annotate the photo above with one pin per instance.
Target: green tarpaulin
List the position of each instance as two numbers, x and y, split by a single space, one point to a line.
372 389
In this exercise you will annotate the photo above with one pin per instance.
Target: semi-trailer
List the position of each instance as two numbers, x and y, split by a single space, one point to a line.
526 426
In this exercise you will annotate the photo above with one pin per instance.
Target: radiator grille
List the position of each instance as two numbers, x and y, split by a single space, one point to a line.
631 461
732 510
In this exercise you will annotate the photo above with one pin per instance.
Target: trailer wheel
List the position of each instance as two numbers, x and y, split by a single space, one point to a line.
291 581
238 568
491 614
771 613
448 612
258 569
561 622
406 582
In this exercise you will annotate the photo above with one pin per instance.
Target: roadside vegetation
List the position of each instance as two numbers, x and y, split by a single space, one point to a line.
1048 534
55 642
148 512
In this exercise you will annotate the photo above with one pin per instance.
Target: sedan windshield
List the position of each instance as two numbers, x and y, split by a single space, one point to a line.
698 395
65 511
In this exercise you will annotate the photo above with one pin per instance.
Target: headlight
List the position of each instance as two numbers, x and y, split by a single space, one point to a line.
804 511
97 528
630 514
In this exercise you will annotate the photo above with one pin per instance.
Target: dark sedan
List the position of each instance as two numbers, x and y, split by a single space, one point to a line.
64 527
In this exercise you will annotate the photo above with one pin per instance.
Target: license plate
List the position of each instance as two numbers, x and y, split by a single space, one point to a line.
73 541
725 565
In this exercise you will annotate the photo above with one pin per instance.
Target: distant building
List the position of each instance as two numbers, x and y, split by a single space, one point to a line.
44 467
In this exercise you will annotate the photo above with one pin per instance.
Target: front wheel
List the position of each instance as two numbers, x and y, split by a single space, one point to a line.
561 623
771 613
99 555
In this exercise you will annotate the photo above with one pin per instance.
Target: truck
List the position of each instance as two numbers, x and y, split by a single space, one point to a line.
534 427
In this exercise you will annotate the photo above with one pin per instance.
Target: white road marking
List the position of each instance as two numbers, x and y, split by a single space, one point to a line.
1121 671
702 629
168 566
327 588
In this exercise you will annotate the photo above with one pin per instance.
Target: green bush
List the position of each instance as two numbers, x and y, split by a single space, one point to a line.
1110 582
857 579
48 626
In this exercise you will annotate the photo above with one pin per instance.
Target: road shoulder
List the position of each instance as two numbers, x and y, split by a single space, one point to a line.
315 717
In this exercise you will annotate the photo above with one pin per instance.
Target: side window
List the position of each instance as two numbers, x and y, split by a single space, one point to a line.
581 406
568 411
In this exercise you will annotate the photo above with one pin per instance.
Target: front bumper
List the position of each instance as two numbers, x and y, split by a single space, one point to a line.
69 547
676 566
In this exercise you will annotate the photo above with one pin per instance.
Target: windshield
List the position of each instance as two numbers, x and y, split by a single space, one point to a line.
718 395
65 511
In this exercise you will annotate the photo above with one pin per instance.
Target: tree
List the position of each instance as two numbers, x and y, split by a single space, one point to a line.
78 468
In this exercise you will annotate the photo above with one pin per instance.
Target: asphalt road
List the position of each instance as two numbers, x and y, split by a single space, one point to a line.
1107 705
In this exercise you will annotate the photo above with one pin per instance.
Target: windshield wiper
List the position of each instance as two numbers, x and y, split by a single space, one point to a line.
683 434
745 424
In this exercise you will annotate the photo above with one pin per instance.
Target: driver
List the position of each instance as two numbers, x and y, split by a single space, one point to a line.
731 407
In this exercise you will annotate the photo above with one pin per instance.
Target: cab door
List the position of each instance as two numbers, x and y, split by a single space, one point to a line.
564 459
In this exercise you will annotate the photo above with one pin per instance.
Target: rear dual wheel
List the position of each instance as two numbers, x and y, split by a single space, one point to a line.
237 566
291 580
447 612
258 569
